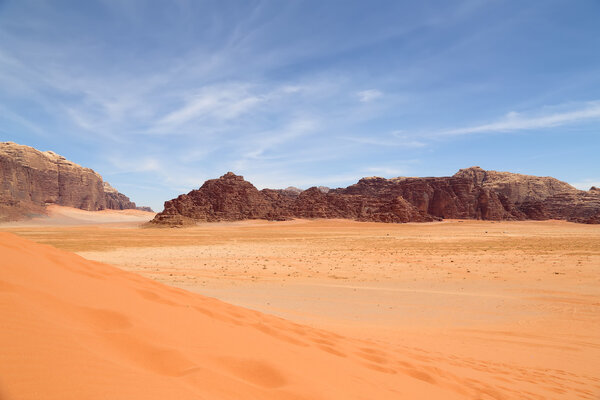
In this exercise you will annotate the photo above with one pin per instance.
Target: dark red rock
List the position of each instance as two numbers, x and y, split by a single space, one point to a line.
539 198
535 210
231 198
446 197
581 206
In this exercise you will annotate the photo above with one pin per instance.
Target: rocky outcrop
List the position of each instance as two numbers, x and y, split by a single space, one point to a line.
115 200
446 197
518 188
231 198
472 193
537 197
579 206
314 203
31 179
228 198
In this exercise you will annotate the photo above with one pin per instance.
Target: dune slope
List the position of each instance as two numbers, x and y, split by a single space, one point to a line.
78 329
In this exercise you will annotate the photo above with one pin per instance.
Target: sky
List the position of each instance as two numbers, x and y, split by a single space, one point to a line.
158 96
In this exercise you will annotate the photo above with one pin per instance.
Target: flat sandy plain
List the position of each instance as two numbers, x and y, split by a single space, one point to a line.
472 309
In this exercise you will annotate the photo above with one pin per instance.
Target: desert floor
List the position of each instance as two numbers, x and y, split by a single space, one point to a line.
496 310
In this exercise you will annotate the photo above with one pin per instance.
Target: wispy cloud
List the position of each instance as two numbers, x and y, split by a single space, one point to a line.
366 96
386 142
12 117
220 102
165 172
515 121
260 143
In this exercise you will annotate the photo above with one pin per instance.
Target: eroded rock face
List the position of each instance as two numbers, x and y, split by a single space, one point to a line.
538 197
31 179
228 198
446 197
470 194
581 206
115 200
231 198
314 203
518 188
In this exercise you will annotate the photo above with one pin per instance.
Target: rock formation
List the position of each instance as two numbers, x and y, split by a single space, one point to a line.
537 197
31 179
471 193
579 206
231 198
314 203
114 199
446 197
517 188
144 208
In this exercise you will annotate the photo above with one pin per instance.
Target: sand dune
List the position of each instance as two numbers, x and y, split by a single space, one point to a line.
460 309
78 329
69 216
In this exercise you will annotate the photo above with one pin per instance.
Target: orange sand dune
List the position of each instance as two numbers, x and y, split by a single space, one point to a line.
78 329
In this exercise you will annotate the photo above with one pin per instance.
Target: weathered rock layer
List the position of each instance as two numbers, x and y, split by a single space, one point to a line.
446 197
31 179
472 193
518 188
231 198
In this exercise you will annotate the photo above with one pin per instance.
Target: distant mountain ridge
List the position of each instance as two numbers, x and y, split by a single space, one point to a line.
472 193
30 179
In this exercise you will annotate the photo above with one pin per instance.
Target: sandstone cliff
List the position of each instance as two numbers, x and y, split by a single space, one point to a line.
31 179
231 198
445 197
579 206
472 193
518 188
539 197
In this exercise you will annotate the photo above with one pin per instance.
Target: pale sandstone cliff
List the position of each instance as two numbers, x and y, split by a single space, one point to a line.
31 179
518 188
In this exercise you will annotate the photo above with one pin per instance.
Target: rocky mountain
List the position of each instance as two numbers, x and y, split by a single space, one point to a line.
231 198
31 179
472 193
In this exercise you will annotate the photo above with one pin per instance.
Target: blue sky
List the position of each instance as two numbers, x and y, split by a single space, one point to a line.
159 96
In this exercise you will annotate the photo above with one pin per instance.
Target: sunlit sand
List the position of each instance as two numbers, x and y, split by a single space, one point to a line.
469 309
